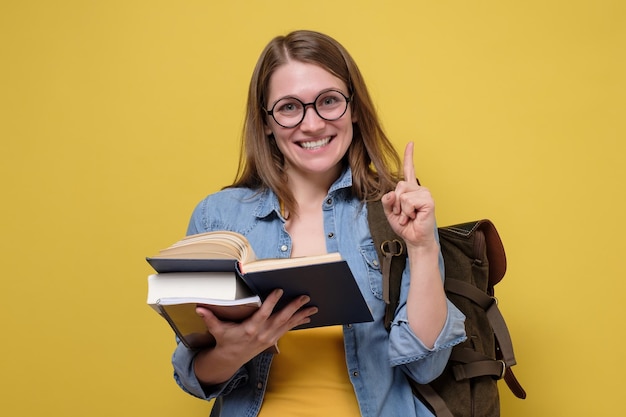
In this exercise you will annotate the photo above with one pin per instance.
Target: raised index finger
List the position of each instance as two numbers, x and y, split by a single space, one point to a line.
409 169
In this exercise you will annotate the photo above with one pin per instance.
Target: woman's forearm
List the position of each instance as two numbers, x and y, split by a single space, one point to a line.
427 308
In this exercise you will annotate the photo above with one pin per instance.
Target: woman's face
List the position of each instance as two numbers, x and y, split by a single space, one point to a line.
316 145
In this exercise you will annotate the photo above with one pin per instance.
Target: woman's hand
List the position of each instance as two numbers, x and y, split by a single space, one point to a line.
237 343
410 208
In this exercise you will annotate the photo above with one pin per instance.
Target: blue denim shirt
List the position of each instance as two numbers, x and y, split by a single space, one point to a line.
377 360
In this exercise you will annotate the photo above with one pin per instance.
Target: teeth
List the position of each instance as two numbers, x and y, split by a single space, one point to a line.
315 144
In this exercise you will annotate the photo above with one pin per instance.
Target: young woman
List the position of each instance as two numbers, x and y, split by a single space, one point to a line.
313 153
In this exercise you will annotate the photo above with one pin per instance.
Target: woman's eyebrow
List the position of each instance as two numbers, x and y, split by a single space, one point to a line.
316 95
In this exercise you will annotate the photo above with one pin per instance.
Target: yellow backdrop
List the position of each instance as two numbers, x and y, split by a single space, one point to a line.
118 116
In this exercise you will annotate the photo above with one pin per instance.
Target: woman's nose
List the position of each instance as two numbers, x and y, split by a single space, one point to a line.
311 121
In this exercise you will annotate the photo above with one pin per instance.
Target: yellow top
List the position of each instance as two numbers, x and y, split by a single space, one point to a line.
309 376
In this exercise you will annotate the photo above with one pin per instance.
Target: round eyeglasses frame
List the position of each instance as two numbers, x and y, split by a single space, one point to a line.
305 105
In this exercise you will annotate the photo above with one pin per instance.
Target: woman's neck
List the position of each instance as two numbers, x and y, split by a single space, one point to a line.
306 186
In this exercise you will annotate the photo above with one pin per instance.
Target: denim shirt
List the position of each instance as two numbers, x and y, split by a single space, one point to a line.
377 360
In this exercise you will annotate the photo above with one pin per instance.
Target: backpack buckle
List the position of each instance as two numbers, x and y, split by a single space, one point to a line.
503 369
392 247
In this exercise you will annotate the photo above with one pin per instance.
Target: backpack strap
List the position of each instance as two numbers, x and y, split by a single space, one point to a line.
391 252
429 396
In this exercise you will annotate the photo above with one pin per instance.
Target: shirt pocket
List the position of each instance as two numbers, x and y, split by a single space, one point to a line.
374 274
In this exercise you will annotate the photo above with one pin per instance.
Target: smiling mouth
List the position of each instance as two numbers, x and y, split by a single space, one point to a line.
316 144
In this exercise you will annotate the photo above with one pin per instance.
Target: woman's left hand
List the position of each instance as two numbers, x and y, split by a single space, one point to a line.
410 208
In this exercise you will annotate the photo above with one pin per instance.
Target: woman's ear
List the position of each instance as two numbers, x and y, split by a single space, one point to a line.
268 131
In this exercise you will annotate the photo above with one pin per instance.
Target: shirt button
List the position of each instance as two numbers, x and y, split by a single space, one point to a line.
259 385
284 248
329 201
331 235
375 262
355 373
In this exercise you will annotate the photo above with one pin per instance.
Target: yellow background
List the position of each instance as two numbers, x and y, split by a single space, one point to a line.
117 117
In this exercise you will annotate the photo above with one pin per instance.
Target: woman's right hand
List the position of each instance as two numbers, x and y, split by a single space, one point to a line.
237 343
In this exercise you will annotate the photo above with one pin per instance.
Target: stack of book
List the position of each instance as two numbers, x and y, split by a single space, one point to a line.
219 270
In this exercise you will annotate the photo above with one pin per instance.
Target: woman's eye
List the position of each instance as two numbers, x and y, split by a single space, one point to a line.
288 107
328 100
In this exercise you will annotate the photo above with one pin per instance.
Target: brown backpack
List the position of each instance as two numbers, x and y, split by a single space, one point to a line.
475 262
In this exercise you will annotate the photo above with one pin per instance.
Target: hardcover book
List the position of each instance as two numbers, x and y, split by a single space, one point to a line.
214 261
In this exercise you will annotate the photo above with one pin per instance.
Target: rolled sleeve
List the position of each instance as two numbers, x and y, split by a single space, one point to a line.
424 364
185 377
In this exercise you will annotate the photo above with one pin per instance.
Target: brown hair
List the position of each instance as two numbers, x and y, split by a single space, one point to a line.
374 162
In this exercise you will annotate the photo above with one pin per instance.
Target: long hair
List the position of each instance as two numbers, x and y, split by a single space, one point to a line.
374 162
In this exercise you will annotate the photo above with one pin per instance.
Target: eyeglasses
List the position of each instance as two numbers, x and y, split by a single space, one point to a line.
289 112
